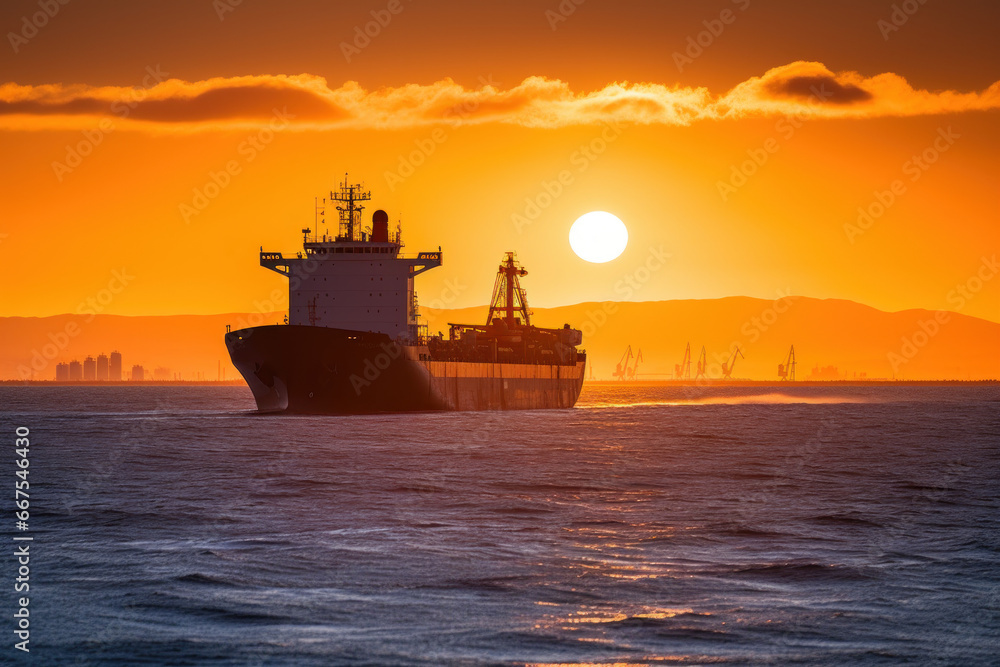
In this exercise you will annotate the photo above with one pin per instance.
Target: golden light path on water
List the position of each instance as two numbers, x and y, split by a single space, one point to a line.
762 399
611 555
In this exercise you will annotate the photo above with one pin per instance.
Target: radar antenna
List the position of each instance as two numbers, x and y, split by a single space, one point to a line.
350 209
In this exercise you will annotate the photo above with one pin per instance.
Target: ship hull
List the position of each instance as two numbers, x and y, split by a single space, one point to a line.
321 370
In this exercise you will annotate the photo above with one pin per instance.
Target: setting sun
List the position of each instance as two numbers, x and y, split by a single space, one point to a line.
598 237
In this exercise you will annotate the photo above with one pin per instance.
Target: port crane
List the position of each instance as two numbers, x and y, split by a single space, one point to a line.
622 367
702 364
635 367
727 369
683 369
786 371
625 372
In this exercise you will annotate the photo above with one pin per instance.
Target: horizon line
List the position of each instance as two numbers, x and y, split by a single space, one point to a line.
569 305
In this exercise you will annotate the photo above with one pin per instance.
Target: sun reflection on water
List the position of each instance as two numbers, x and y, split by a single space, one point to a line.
759 399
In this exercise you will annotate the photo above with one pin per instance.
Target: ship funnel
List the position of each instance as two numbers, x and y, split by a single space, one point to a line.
380 227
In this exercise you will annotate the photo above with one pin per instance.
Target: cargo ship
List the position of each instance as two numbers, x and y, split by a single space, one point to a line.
352 342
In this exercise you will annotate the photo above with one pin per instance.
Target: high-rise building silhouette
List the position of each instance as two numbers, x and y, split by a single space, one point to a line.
75 371
115 367
62 372
89 369
138 373
102 368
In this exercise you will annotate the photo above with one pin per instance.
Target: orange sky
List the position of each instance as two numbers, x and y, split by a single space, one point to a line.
507 104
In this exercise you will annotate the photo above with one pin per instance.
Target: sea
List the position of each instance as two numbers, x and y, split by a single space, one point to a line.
649 525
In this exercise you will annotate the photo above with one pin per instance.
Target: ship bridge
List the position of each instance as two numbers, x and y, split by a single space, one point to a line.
357 279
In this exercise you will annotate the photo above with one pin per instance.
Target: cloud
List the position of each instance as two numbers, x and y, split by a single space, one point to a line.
805 88
809 88
821 87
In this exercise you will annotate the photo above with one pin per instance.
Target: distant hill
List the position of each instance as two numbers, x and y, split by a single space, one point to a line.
840 339
854 338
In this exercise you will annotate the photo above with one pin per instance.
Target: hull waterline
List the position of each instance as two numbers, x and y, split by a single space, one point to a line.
320 370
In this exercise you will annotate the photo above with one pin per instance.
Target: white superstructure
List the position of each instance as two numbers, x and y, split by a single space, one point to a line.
357 280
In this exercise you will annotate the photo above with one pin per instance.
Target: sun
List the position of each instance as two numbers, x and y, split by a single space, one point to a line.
598 237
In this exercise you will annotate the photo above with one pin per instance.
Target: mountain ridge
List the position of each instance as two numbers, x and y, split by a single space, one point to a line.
857 339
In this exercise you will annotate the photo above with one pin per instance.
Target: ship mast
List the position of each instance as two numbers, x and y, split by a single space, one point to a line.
508 296
349 209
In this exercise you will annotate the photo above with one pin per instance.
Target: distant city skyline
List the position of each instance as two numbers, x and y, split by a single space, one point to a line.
108 368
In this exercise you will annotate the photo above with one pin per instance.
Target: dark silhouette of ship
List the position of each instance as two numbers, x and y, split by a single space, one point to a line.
353 344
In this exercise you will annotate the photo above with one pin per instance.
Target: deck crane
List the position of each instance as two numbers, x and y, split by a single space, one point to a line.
702 365
786 371
683 369
727 369
621 370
